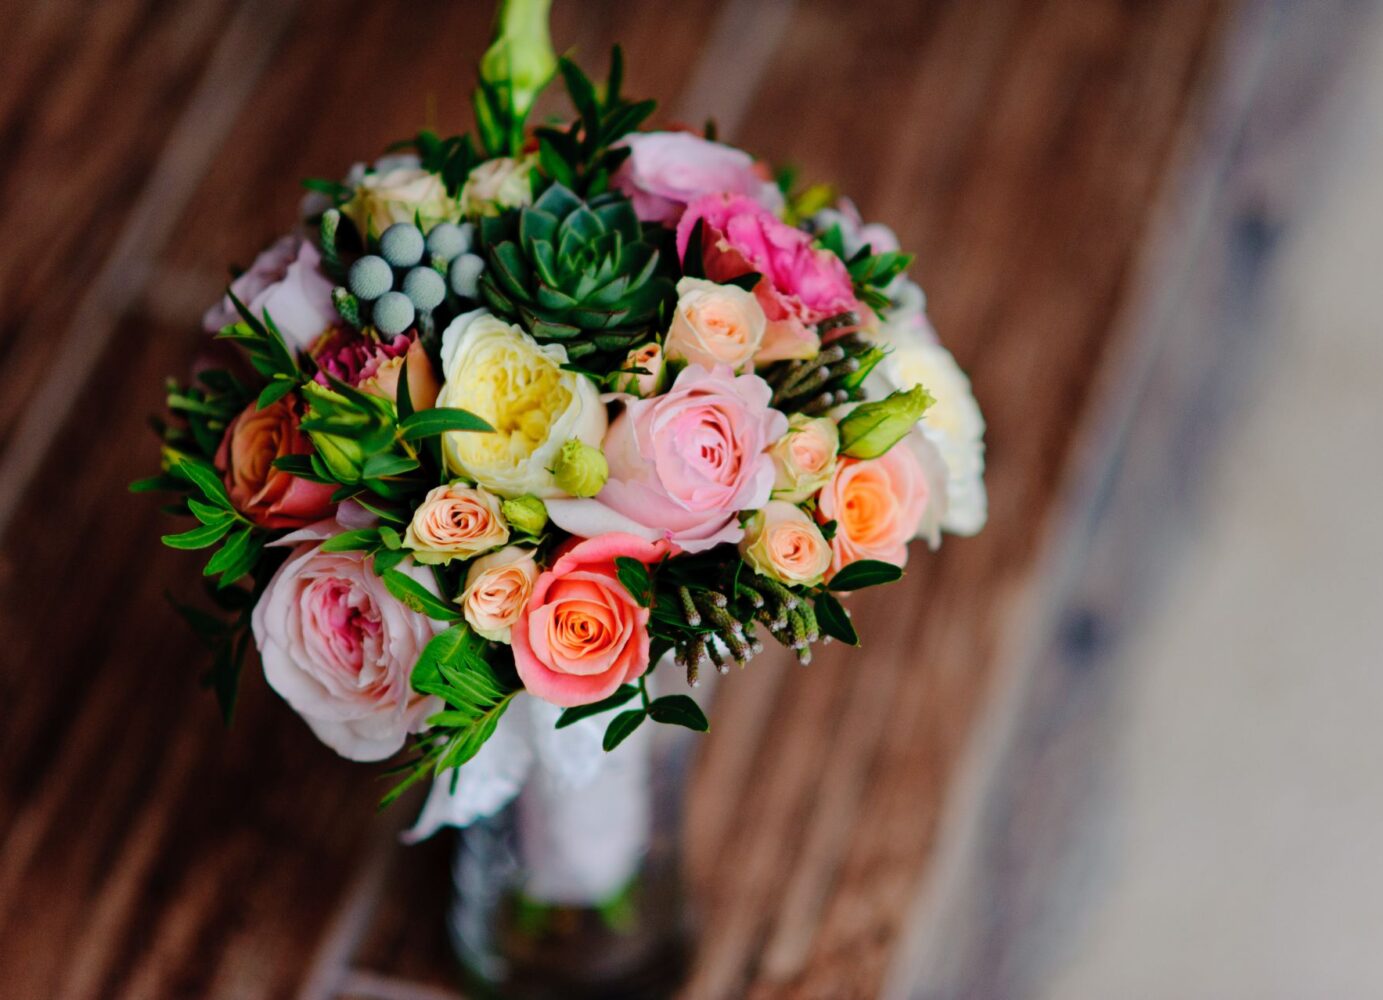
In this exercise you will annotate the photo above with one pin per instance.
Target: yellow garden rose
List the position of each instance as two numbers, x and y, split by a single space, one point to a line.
498 372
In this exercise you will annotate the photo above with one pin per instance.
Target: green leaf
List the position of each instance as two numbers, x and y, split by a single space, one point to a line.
865 573
679 710
204 477
359 540
273 392
634 575
622 694
235 558
418 598
621 726
156 484
208 513
831 616
200 537
387 465
439 420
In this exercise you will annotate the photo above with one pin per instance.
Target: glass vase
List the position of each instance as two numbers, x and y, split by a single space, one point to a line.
576 892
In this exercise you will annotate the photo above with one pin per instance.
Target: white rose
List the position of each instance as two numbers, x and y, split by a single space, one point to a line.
953 424
500 373
496 184
385 197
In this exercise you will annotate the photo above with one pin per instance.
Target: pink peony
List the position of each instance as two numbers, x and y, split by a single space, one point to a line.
582 634
270 497
666 171
683 465
801 285
374 366
340 649
285 280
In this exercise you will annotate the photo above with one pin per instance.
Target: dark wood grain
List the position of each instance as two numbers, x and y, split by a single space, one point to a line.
1017 146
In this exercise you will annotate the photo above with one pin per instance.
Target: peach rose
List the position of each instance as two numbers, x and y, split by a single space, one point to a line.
455 521
582 634
497 588
715 325
805 457
878 504
783 543
270 497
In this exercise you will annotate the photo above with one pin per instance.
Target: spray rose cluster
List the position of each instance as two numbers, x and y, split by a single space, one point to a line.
518 423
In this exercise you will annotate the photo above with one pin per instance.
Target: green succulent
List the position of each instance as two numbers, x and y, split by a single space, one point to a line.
575 272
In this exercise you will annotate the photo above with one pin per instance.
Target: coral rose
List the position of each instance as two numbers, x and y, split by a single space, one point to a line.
455 521
582 634
684 464
270 497
340 649
801 285
497 588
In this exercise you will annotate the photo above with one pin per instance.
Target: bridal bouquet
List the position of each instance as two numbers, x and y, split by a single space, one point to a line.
533 411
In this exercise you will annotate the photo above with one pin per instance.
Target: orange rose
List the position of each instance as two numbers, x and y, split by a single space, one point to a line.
878 505
270 497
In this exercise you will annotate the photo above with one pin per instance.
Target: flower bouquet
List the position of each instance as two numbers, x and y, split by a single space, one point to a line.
533 412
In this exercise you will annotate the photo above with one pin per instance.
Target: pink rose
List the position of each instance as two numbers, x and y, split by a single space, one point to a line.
340 649
270 497
878 504
285 280
582 634
801 285
666 171
683 465
374 366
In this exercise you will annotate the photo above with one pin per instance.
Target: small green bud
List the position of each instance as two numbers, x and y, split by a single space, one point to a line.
580 469
527 514
521 55
870 429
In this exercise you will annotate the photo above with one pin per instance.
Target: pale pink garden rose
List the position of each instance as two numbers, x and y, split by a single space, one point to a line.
666 171
497 588
684 464
287 282
340 649
783 543
582 634
880 504
715 325
455 521
801 285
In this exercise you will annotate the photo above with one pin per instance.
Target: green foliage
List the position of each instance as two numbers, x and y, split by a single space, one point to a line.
871 273
582 156
865 573
623 693
835 376
452 158
577 273
454 667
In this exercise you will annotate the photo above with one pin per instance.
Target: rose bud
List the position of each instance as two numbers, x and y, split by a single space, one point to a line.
526 514
871 429
783 543
645 372
497 588
580 469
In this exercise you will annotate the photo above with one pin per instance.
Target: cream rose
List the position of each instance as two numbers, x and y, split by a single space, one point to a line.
385 197
498 184
783 543
805 457
455 522
500 373
497 588
715 325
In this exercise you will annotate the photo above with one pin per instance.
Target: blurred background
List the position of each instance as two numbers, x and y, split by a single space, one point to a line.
1122 744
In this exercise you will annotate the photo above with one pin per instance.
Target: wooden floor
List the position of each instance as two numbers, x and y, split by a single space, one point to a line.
1019 146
